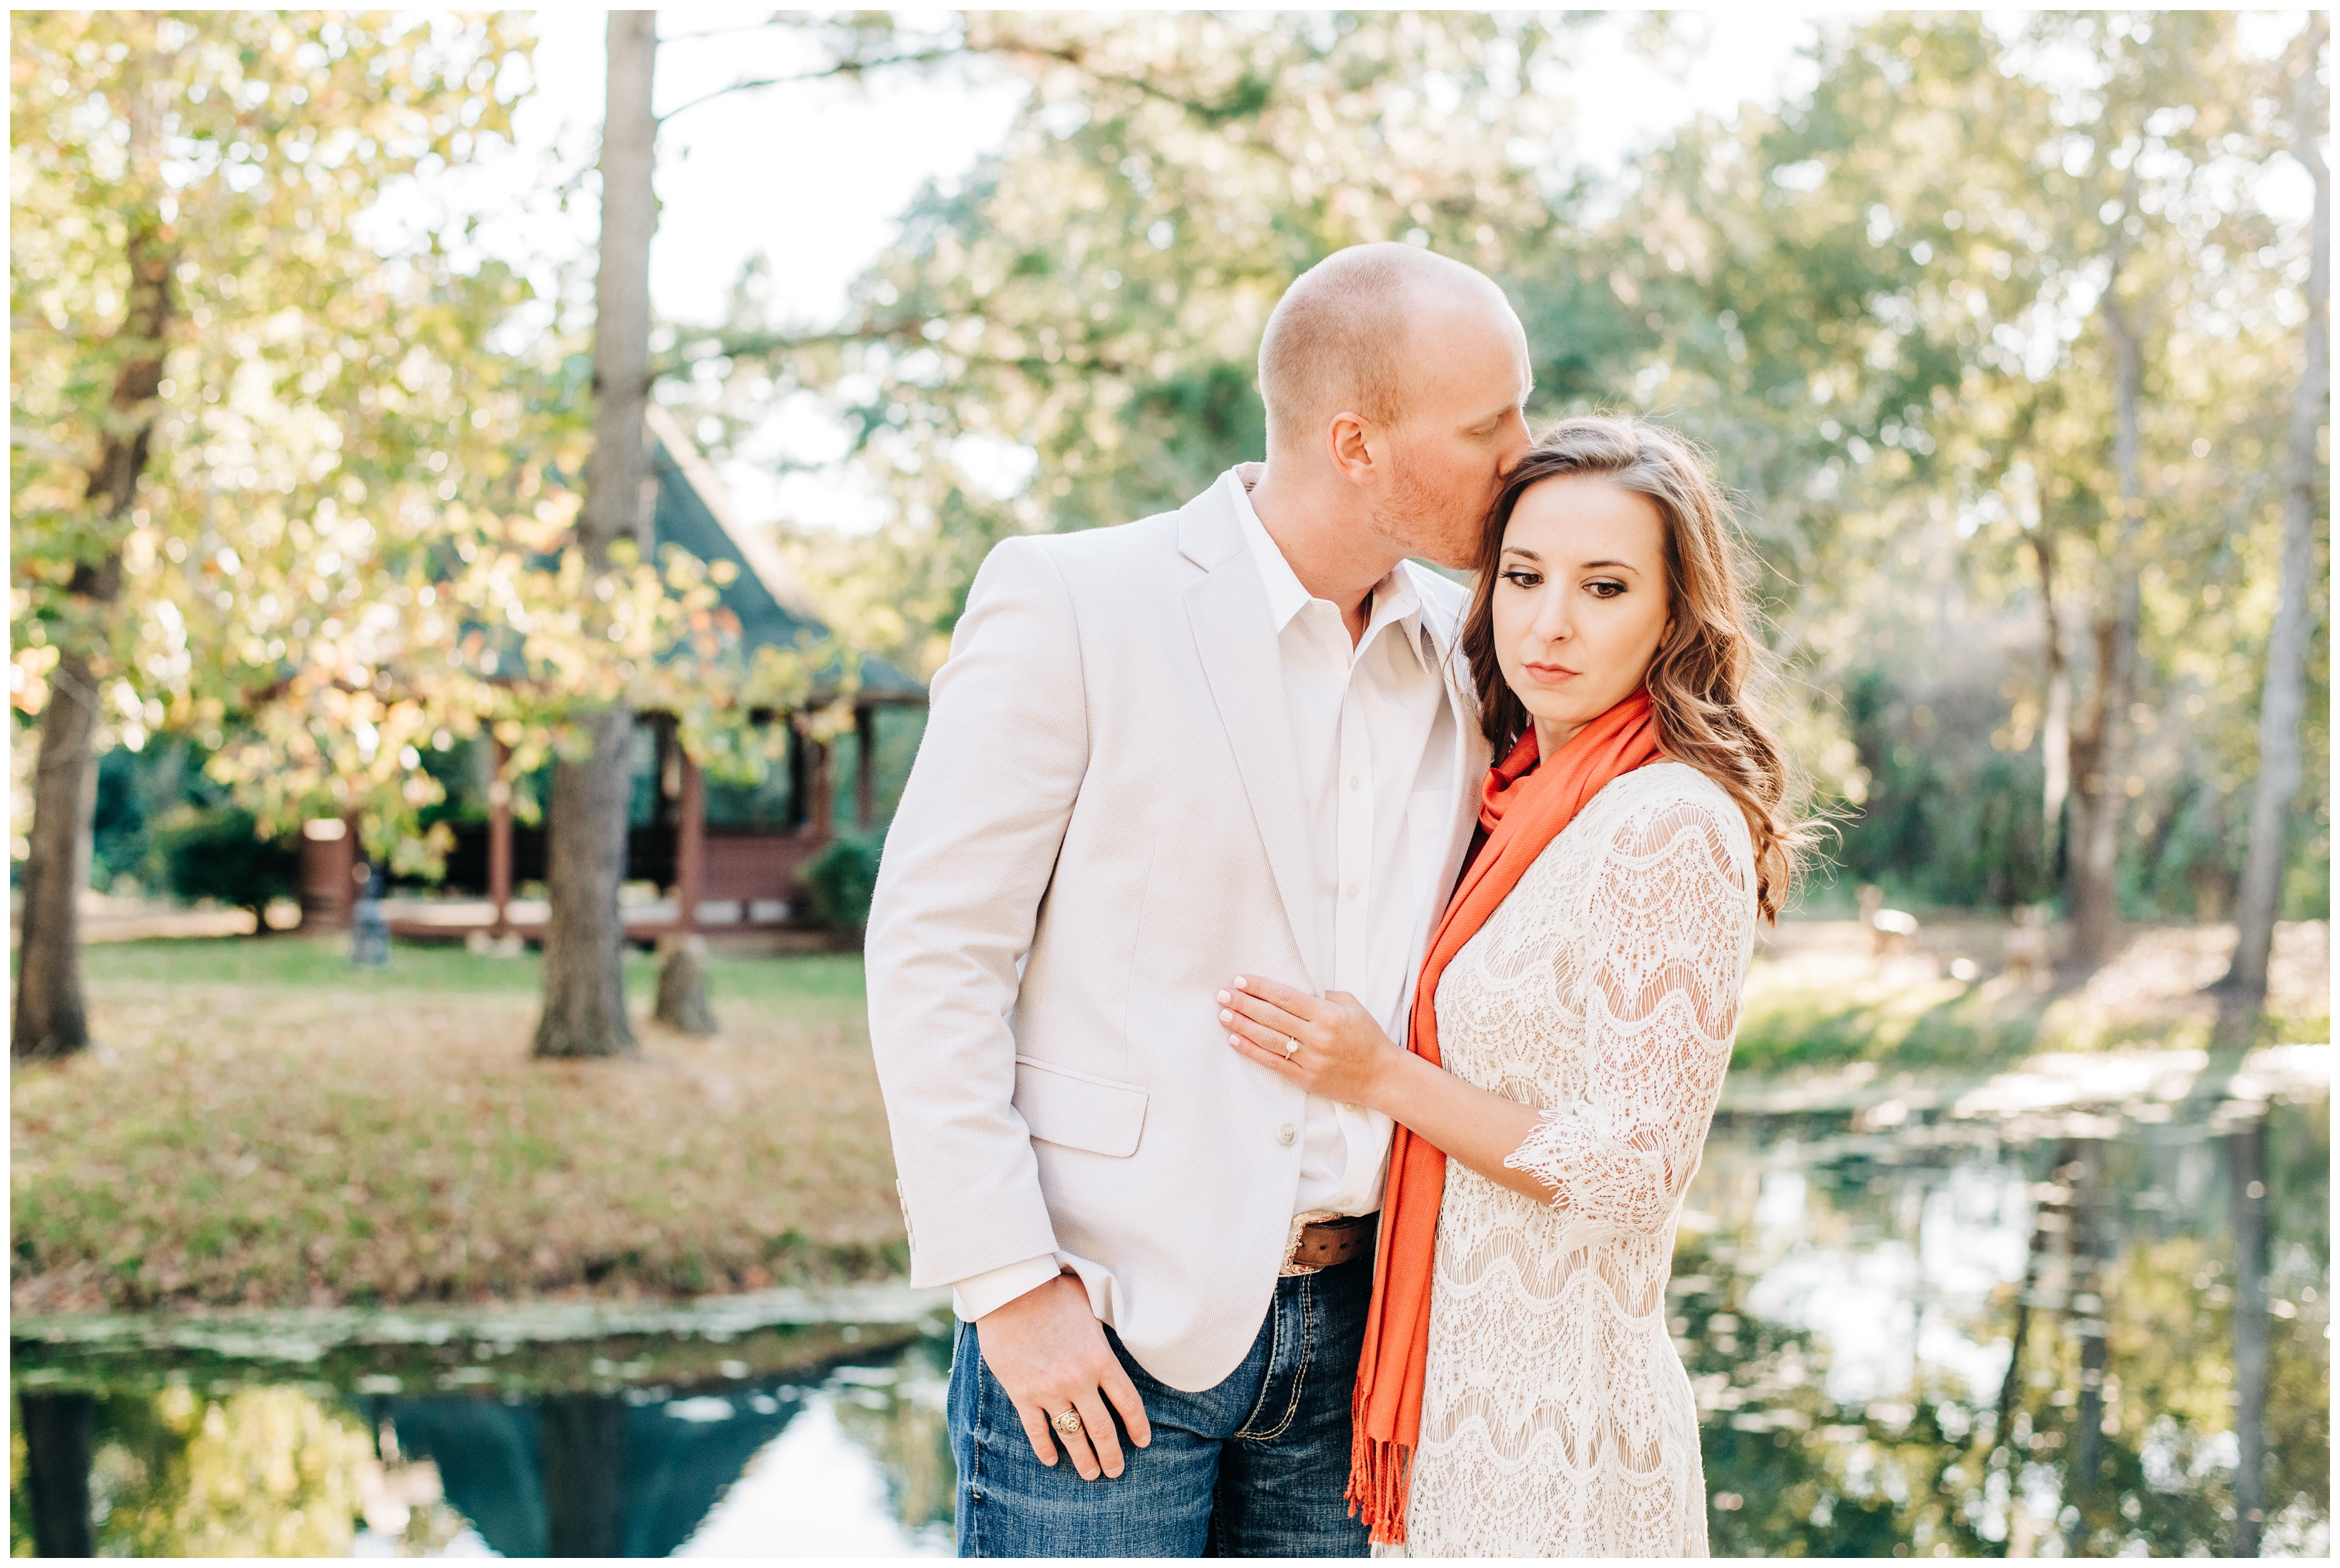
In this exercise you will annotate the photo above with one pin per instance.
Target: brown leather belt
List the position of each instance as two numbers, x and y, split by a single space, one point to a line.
1328 1243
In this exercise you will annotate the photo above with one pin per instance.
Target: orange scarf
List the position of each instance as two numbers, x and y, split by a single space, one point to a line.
1525 808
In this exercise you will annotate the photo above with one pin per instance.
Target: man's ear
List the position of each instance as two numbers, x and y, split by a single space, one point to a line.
1349 439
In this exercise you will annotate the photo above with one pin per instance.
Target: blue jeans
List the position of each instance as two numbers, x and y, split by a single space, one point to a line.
1254 1467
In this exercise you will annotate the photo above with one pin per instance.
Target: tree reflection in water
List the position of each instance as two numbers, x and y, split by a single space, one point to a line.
285 1469
2113 1428
1926 1341
266 1472
898 1414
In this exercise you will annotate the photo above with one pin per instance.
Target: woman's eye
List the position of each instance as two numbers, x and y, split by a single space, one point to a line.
1521 579
1605 590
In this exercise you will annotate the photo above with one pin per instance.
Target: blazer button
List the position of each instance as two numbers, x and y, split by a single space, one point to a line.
1284 1134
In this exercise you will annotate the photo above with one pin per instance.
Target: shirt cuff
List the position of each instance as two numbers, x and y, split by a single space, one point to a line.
982 1294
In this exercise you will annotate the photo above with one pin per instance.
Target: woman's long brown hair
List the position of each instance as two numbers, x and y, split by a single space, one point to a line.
1700 682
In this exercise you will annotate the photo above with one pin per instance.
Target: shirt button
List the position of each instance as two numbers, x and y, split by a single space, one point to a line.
1284 1134
1353 892
1352 781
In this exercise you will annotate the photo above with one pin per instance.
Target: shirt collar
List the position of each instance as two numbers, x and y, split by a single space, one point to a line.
1394 599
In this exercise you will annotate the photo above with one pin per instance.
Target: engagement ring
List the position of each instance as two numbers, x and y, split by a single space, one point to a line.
1291 1048
1067 1422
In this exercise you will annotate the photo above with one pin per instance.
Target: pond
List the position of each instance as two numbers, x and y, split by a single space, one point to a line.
2049 1313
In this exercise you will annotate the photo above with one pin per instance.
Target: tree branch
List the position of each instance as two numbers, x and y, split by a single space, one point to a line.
773 346
1236 103
1245 99
770 21
827 74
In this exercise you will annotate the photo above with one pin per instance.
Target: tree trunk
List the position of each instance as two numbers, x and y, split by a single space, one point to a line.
2283 694
682 1001
585 834
51 1016
584 930
2099 771
57 1429
2056 728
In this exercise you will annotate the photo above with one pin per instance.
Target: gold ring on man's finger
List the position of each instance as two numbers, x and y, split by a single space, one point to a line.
1067 1422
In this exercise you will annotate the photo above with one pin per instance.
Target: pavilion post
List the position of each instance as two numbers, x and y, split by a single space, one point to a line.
691 845
499 841
864 767
824 790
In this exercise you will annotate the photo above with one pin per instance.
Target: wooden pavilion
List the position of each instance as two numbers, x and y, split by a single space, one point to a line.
723 859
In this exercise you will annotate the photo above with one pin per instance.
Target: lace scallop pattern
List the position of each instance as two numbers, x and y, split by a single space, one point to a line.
1557 1419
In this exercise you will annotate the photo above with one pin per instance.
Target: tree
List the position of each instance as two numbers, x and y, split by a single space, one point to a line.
2150 128
2282 694
349 542
219 854
1977 328
186 270
585 846
1997 284
1069 341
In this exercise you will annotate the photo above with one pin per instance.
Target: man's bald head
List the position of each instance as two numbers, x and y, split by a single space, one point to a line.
1337 339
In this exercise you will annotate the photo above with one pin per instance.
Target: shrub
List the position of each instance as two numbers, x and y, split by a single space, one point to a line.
217 852
840 880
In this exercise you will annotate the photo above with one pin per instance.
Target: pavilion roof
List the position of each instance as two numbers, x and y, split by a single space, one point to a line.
695 511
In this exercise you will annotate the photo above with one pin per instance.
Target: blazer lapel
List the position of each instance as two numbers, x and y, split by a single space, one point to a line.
1228 609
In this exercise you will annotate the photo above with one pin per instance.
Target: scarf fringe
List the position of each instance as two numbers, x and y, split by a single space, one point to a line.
1380 1477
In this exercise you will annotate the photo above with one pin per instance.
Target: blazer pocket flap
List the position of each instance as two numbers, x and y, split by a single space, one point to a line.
1072 1108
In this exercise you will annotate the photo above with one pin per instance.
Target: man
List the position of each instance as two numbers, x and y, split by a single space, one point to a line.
1235 738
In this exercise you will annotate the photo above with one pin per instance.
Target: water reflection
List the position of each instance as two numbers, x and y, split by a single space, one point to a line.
844 1454
864 1472
1942 1340
1915 1334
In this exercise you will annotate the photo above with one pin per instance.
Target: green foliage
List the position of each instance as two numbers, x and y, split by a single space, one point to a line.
1950 819
316 398
348 542
134 790
1880 306
218 852
1883 306
1068 341
843 879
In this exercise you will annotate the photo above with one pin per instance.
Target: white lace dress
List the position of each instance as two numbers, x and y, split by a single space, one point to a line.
1557 1420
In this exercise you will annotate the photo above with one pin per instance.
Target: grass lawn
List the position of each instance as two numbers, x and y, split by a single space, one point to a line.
315 963
1817 997
264 1125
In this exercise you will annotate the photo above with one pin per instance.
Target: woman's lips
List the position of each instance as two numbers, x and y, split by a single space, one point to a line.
1549 674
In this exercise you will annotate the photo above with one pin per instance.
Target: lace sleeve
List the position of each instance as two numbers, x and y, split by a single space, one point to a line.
1668 936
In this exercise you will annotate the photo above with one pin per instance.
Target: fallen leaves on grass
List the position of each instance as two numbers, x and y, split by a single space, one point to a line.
238 1145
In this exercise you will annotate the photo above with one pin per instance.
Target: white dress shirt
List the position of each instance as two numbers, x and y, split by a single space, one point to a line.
1375 738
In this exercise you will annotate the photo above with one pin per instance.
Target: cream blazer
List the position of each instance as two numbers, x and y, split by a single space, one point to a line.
1104 825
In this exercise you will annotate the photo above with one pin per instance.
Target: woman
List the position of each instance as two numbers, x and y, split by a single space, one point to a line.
1519 1395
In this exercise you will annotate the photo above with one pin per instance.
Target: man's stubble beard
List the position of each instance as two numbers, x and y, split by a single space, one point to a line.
1425 520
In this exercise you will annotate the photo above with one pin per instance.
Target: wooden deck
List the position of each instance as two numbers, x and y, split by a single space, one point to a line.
761 925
